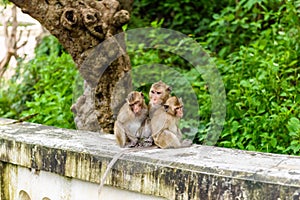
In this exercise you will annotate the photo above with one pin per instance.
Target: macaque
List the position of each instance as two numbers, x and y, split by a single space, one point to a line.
165 125
132 129
158 95
129 120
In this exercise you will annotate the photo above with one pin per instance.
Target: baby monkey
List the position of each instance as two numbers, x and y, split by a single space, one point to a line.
129 120
165 125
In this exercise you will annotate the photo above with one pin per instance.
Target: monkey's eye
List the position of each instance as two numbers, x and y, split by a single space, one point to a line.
152 92
158 92
178 108
135 103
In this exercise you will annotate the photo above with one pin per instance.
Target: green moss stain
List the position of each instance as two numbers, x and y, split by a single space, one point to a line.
7 189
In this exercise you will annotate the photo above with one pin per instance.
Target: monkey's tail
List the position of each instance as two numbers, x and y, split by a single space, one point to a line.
110 165
113 161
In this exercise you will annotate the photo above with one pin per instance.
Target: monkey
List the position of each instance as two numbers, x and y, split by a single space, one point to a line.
165 125
129 120
158 95
132 129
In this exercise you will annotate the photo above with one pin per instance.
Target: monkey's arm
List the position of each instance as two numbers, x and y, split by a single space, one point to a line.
120 134
158 122
144 134
123 134
123 114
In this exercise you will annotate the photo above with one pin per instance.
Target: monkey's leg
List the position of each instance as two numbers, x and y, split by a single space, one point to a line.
120 134
167 139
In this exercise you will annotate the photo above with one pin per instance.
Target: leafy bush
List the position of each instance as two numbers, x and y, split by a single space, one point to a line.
257 53
240 24
186 16
44 86
261 74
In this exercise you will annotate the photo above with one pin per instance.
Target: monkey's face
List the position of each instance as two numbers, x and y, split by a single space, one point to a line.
159 93
174 107
156 96
136 107
136 101
179 111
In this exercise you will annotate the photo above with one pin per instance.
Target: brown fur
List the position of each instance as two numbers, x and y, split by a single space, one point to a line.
128 122
165 125
164 91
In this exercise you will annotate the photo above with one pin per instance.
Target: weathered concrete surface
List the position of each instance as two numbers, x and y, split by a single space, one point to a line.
42 185
198 172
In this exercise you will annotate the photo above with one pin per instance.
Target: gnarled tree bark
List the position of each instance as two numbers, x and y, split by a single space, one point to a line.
80 27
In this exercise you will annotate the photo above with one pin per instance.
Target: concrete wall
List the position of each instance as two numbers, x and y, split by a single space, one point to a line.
25 184
40 163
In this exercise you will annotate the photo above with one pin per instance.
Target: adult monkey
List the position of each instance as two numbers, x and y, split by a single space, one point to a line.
132 129
130 119
165 125
158 95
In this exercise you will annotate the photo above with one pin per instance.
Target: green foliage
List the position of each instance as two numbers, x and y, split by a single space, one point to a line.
261 74
44 85
186 16
256 45
240 24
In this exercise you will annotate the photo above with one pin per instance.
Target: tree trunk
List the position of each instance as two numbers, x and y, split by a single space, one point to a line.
80 27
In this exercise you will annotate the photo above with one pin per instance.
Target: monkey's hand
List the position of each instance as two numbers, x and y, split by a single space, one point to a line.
132 144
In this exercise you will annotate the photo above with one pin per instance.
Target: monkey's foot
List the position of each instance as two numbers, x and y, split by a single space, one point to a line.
132 144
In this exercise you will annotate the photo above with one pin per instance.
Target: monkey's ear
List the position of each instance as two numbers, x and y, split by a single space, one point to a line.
180 100
127 100
166 107
169 89
142 94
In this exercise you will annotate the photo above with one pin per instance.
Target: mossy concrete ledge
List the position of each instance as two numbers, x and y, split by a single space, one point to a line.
81 157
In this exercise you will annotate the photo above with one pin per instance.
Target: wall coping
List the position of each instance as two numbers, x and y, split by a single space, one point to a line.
188 173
